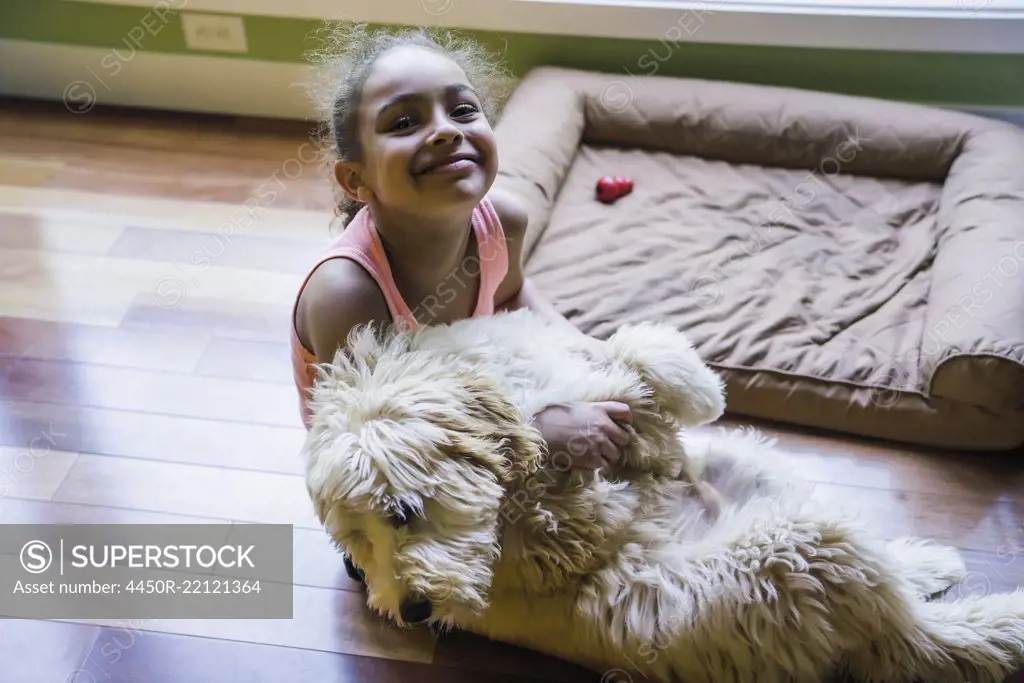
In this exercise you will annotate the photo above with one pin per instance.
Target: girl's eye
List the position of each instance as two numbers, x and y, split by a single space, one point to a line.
402 123
464 110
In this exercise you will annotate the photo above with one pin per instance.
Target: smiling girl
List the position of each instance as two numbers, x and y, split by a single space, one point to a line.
427 239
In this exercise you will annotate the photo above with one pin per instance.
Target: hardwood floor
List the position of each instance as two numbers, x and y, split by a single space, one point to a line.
144 377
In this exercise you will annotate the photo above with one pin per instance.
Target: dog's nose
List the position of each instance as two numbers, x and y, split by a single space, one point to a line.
414 609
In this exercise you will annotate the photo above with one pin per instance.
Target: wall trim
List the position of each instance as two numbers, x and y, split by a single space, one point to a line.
1014 115
73 74
84 77
967 26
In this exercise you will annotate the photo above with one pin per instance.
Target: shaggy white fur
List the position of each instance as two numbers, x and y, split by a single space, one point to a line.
699 558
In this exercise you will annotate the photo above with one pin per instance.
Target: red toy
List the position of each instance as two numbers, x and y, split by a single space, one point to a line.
611 188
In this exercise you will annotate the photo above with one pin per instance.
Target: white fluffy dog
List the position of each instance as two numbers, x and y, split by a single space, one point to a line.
695 559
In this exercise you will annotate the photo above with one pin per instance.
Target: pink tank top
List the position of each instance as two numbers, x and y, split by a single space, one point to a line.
361 243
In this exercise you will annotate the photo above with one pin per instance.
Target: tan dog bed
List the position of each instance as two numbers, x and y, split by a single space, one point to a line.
845 263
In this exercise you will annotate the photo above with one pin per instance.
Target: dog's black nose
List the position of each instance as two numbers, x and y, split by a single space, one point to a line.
414 609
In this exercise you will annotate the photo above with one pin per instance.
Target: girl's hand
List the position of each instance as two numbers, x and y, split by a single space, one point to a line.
587 432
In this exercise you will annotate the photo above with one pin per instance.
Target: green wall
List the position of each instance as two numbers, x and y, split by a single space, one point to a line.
974 80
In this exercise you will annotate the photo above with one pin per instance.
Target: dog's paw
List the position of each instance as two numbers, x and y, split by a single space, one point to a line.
684 386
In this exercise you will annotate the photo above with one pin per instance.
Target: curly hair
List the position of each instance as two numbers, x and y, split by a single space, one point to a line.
344 60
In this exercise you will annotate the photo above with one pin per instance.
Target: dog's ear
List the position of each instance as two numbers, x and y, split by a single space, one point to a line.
330 460
511 447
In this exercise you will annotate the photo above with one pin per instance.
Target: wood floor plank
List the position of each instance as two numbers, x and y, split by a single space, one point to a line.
34 471
169 438
110 278
23 511
186 164
162 658
991 479
861 462
221 317
178 351
968 523
241 495
325 620
318 563
16 334
25 231
208 217
102 386
26 171
272 188
242 138
41 300
85 162
232 248
247 360
462 650
987 573
38 651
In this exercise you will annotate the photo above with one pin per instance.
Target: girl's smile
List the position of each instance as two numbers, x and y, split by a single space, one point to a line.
453 163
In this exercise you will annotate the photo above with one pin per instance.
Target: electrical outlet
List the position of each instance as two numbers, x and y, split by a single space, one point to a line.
218 32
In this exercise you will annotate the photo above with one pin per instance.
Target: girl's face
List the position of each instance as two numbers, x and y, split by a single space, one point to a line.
427 147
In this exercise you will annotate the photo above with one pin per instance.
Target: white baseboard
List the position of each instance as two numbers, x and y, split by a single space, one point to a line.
85 76
1010 114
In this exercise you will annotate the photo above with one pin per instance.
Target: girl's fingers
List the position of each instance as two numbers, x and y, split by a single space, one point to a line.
591 461
618 436
616 410
608 451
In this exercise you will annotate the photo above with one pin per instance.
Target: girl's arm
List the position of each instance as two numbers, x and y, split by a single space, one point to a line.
530 297
518 291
